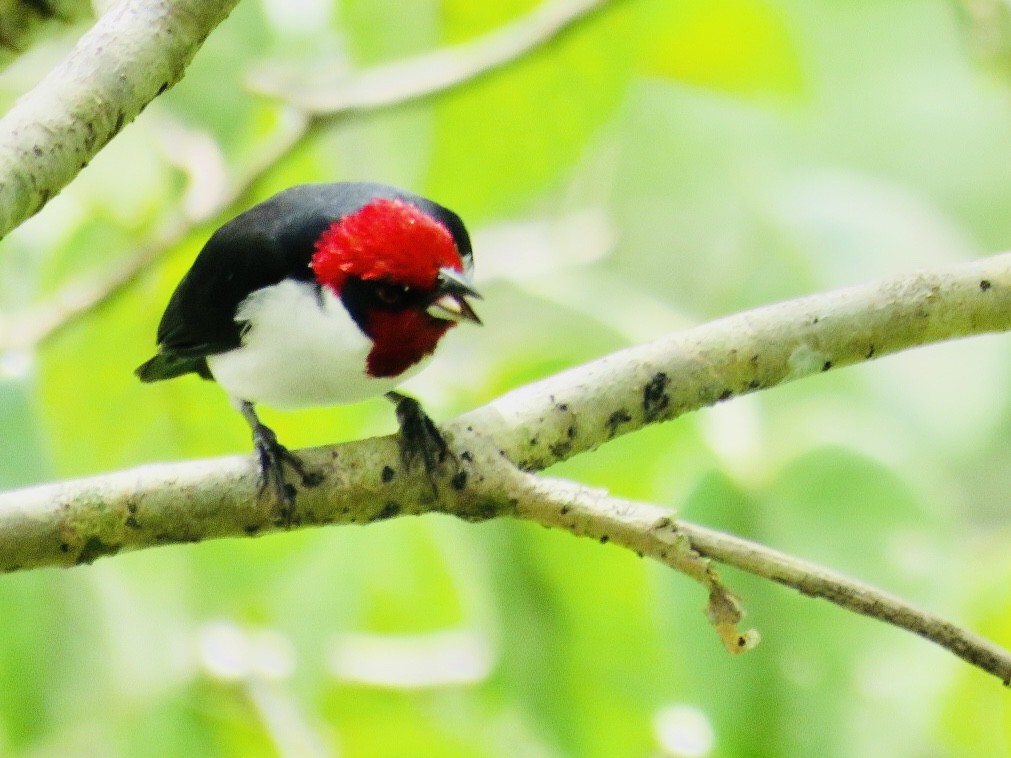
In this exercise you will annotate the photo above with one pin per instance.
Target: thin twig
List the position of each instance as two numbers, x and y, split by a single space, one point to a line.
373 89
817 581
431 73
652 531
648 530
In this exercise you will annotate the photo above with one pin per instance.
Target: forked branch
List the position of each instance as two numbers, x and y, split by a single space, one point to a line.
535 426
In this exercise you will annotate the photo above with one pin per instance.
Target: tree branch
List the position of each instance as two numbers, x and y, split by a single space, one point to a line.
132 54
78 521
584 407
373 89
549 420
430 73
816 581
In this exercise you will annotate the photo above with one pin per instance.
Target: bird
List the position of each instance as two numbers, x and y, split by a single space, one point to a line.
323 294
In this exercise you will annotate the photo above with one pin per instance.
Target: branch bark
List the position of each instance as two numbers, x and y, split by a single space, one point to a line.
132 54
528 429
581 408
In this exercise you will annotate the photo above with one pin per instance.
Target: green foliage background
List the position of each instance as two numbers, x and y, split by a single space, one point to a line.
687 159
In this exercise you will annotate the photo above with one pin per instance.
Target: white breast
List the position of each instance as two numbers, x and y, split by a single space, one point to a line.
300 349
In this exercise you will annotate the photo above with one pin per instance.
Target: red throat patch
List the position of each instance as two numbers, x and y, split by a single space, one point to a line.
386 239
402 339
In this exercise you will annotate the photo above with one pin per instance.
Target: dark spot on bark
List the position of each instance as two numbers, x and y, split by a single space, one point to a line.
726 394
164 86
132 522
826 365
564 511
655 399
120 118
570 432
94 549
390 510
563 407
533 441
459 480
132 507
754 360
815 320
388 474
37 150
615 420
64 547
466 455
561 449
870 352
604 539
754 384
486 511
251 529
984 285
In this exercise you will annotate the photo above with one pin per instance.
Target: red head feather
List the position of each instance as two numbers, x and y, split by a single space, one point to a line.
386 239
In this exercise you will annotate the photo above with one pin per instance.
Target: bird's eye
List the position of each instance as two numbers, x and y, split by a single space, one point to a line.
391 294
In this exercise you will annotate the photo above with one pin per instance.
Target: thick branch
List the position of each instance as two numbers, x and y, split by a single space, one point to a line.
533 426
136 51
581 408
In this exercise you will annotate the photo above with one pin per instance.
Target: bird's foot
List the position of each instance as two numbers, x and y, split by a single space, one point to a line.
420 438
273 458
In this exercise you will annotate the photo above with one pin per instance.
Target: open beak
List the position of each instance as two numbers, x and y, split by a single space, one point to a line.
450 301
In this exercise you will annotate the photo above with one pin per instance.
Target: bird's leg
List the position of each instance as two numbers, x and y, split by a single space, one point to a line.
273 457
419 436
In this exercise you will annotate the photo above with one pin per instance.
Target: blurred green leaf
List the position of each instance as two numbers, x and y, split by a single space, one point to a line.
542 117
24 457
736 46
24 22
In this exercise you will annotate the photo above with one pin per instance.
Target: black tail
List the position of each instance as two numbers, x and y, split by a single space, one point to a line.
168 366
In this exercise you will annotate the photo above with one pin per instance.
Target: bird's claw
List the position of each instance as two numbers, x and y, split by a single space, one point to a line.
273 457
420 438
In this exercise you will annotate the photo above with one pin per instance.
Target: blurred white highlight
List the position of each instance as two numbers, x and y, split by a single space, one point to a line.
439 659
298 17
231 653
683 731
